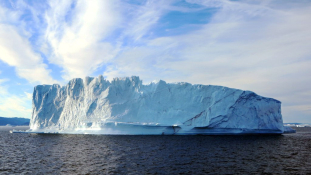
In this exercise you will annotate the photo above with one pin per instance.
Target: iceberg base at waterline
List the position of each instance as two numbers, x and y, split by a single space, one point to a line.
134 129
125 106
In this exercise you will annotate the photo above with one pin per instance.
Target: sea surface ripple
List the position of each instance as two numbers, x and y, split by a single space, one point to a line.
22 153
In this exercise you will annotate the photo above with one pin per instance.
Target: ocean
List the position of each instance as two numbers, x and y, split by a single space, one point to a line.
22 153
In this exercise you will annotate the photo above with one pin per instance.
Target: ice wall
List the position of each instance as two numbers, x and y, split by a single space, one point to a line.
126 106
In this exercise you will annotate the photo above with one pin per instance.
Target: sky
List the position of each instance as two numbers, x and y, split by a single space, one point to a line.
258 45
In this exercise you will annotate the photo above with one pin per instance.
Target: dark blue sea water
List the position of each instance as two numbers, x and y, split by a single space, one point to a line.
99 154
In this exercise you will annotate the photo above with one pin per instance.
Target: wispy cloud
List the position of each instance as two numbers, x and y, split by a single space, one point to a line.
16 50
142 18
75 33
13 105
79 32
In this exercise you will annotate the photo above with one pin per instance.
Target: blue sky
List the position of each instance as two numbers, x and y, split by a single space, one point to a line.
262 46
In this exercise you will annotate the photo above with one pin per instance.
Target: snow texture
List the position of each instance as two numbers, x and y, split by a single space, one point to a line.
126 106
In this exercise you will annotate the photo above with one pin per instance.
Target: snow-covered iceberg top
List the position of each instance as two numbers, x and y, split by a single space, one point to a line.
126 106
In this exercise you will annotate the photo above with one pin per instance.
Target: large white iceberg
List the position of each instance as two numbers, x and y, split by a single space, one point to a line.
126 106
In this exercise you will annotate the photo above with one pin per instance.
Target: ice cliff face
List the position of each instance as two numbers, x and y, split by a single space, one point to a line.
126 106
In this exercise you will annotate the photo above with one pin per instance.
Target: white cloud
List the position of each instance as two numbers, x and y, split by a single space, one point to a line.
15 50
83 44
77 45
28 95
12 105
15 106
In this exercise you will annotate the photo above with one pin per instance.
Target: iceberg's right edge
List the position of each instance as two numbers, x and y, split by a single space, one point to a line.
125 106
288 130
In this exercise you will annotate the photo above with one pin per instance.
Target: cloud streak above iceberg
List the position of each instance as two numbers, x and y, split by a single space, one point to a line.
261 46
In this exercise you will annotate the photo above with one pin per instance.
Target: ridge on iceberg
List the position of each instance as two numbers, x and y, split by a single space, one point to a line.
126 106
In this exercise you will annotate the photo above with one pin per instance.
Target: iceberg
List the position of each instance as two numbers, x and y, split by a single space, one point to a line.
126 106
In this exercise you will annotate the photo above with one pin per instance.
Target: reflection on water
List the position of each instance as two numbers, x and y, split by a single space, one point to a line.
82 154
